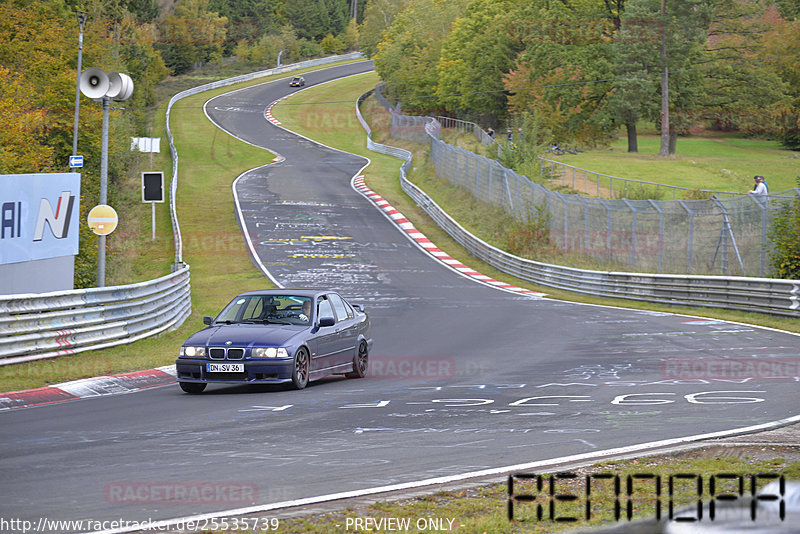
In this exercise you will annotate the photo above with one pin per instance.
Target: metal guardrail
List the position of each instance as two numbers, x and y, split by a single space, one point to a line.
765 295
46 325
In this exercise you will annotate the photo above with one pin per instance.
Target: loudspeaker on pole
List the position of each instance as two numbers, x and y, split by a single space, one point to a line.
94 83
120 86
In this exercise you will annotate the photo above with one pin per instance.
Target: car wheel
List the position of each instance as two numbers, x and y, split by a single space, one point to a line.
360 362
301 365
192 387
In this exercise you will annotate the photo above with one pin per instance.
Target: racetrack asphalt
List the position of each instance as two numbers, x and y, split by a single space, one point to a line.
463 378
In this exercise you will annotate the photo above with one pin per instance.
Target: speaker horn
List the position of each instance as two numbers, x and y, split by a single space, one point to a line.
120 86
94 83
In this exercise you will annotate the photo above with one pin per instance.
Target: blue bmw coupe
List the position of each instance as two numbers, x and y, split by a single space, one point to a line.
276 336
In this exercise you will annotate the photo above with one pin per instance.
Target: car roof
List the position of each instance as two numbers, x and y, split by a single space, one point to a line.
294 292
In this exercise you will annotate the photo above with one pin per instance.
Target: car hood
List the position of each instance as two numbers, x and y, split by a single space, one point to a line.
245 335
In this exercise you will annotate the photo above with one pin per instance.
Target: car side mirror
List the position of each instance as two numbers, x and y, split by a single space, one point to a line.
208 320
359 307
327 321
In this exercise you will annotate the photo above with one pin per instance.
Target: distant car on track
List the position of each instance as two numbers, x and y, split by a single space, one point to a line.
297 81
275 336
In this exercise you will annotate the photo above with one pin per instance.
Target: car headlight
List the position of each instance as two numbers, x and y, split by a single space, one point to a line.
191 352
270 352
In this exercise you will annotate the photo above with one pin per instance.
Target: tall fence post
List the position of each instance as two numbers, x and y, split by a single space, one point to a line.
604 202
762 201
691 235
660 232
585 223
633 231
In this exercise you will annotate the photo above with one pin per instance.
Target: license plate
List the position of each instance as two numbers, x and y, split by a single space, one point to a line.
225 368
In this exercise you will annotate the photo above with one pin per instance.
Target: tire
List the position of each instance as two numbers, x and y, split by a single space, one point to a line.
360 362
193 387
301 368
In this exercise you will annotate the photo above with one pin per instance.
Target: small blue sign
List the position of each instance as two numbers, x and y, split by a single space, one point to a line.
76 161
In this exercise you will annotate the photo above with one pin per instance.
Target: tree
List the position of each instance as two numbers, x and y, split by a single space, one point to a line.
191 35
563 75
378 16
248 20
408 55
635 62
25 126
314 19
742 84
785 237
474 58
331 45
666 39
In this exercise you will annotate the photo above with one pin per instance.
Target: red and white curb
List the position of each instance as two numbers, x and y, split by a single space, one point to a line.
268 112
89 387
428 246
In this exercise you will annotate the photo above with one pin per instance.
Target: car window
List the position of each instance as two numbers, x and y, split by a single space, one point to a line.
324 308
341 309
252 308
280 309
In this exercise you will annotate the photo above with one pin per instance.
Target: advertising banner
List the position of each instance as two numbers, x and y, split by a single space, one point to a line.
39 216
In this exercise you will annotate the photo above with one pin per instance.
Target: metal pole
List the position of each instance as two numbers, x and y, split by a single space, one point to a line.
81 22
691 235
633 230
660 232
101 244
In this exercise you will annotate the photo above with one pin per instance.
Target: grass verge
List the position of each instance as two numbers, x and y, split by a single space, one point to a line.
484 508
721 162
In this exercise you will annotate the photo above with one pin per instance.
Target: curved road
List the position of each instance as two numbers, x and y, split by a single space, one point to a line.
463 378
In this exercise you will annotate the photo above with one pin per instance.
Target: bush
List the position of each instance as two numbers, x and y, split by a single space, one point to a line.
791 140
531 238
785 236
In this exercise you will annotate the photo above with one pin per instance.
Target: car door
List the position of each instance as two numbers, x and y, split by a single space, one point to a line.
326 337
346 330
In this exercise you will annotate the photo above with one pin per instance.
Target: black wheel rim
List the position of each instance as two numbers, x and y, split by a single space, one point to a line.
362 358
301 367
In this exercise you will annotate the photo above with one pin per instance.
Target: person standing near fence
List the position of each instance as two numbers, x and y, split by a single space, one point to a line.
761 187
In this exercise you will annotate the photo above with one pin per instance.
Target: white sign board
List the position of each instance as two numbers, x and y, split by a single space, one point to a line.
39 216
146 144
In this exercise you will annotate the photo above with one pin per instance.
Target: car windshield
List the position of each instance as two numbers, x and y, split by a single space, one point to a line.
267 309
297 79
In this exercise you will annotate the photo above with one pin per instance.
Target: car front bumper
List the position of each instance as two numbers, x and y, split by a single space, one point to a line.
255 371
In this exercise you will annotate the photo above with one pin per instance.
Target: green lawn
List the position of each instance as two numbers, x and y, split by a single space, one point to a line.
718 162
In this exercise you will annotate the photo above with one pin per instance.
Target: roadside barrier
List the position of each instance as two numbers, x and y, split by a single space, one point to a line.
46 325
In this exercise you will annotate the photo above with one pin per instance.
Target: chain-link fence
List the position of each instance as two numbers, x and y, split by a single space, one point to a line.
727 236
